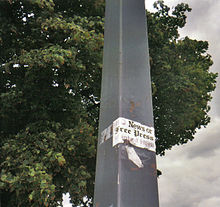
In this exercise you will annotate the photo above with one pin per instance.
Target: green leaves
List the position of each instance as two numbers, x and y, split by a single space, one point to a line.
61 160
42 162
181 79
44 4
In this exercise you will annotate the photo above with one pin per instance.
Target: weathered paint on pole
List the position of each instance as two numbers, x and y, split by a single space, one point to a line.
126 173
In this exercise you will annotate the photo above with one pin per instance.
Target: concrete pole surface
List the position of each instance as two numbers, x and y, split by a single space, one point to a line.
126 173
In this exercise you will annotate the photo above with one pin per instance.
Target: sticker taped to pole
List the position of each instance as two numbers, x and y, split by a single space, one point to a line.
134 132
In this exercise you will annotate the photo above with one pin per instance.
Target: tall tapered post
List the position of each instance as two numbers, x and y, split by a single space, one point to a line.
126 174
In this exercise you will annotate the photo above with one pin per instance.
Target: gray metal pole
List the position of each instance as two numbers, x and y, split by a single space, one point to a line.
126 173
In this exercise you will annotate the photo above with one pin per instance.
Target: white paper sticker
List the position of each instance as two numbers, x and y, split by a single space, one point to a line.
134 132
106 134
133 156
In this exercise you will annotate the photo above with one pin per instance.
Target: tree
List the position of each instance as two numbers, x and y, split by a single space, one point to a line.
50 61
181 78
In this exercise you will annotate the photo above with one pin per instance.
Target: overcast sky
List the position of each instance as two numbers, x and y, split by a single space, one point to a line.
191 173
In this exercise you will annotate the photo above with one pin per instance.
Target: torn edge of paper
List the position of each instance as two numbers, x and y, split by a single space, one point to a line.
133 156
